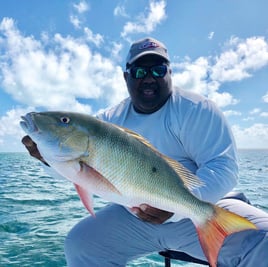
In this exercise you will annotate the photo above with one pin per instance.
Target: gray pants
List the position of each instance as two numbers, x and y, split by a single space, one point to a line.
115 237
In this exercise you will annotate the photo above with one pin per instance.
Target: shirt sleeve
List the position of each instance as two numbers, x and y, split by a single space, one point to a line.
208 141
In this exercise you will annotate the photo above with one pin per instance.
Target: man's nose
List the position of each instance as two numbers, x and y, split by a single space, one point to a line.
149 78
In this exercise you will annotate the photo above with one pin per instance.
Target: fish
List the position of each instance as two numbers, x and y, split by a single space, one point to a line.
121 166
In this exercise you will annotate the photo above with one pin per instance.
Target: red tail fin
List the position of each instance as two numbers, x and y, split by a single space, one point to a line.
213 233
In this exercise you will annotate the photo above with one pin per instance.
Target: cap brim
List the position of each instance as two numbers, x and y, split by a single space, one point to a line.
147 53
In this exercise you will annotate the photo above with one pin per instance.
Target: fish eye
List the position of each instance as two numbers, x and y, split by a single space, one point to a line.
65 119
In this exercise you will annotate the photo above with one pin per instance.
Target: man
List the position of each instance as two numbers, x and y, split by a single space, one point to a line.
190 129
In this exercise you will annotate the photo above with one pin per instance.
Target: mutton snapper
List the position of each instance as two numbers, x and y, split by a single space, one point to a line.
122 167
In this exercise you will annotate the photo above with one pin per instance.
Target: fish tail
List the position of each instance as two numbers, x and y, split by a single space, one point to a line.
213 232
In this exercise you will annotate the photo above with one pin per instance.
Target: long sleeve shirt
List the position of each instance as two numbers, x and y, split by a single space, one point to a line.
192 130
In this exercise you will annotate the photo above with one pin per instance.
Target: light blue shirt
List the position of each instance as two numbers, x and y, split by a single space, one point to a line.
190 129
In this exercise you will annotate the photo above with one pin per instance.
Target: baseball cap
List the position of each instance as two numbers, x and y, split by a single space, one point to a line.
146 46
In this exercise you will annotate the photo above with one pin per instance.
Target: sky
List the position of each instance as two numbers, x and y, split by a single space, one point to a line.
70 55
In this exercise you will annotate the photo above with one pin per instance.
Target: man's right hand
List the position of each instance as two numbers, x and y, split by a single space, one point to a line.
32 148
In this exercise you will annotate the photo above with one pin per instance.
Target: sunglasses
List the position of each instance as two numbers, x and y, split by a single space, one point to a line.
158 71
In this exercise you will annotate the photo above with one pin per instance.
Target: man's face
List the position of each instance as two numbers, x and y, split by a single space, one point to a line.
148 90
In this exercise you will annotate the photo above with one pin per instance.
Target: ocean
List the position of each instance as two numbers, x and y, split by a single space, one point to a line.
37 211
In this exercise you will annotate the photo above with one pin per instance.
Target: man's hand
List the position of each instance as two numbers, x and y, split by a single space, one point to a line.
150 214
32 148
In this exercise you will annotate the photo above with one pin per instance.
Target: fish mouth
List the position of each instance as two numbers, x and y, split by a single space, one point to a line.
27 123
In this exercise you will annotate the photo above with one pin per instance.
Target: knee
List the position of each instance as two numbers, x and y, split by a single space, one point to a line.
237 195
72 244
82 248
77 250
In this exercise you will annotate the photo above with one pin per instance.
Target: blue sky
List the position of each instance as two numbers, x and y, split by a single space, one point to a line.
69 55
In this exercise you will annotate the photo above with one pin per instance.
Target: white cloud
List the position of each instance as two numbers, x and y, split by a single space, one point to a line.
223 99
250 118
254 111
147 22
120 11
264 114
210 35
206 75
229 113
258 111
54 73
10 130
116 49
9 123
240 58
256 136
81 7
192 75
78 18
265 98
97 39
75 21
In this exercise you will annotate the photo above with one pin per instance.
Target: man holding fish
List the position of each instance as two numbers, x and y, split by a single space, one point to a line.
183 127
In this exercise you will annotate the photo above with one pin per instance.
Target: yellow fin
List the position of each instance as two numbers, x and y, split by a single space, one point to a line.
213 232
189 179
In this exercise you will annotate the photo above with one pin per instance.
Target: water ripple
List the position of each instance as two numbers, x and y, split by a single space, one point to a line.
37 211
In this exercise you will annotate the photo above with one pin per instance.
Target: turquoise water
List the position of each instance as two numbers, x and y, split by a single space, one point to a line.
37 211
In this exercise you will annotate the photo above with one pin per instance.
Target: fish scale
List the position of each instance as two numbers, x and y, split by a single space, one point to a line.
134 163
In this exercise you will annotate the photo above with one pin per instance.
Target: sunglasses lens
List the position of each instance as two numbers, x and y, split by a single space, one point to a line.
159 71
138 72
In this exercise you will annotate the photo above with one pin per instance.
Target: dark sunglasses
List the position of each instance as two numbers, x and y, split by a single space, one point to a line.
158 71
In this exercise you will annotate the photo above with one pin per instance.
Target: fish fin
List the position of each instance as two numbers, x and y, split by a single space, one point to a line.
190 180
86 199
136 136
213 232
97 179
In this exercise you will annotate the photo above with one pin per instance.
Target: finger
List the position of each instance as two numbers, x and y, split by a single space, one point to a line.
30 145
32 148
27 141
150 210
146 217
154 212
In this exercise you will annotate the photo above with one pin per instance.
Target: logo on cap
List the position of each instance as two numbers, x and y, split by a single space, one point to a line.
147 45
